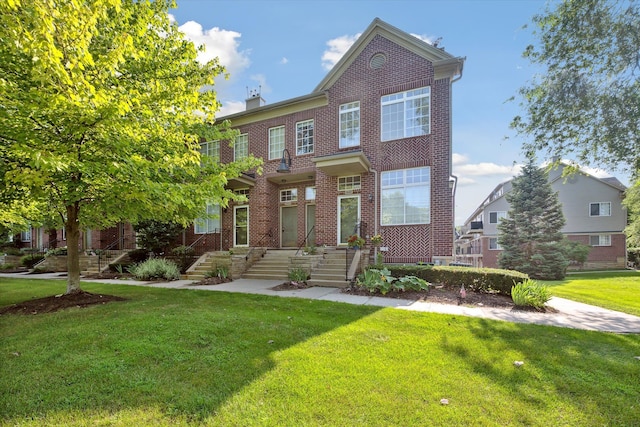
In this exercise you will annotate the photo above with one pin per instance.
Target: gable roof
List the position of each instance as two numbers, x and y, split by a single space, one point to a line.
445 64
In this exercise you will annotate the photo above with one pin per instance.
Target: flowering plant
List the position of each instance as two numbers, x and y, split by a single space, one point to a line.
355 240
376 240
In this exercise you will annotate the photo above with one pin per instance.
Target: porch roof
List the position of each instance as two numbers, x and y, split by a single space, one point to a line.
347 163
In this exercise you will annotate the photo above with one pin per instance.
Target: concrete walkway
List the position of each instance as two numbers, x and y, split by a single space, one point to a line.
570 314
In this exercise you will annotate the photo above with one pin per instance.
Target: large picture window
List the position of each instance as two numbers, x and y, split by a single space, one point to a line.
406 196
406 114
209 224
276 142
350 125
304 137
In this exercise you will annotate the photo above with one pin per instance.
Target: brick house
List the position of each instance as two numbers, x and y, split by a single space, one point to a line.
367 152
592 208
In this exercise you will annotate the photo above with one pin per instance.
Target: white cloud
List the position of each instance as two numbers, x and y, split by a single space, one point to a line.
424 38
336 48
261 80
284 60
230 107
485 169
220 43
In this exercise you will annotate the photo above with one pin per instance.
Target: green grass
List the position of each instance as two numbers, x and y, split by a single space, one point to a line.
190 357
618 291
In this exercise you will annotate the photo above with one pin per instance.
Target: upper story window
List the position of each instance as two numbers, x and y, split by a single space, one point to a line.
210 223
600 209
241 147
211 149
495 217
304 137
600 240
406 114
406 196
350 124
494 245
349 183
276 142
290 195
242 192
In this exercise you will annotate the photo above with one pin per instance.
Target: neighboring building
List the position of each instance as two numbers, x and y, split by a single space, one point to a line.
591 206
369 151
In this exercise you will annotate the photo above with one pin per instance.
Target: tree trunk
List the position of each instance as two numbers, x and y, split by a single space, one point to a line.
73 254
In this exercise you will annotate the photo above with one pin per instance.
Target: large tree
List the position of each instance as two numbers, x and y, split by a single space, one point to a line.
586 102
530 235
102 109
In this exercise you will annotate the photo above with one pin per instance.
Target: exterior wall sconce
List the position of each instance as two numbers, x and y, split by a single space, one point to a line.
285 166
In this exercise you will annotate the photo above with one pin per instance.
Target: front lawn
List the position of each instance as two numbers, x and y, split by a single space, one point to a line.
195 357
618 291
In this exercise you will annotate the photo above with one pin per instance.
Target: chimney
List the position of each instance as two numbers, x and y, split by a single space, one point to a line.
254 100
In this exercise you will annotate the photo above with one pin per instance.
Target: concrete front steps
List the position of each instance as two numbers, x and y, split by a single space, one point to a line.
208 263
89 263
273 266
331 270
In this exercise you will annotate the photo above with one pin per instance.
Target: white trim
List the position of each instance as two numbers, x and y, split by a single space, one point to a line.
235 209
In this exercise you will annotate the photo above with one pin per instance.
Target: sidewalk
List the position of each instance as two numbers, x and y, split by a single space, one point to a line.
570 314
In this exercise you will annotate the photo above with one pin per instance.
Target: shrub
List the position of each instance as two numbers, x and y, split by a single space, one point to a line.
30 260
487 280
10 250
138 255
411 283
376 280
7 267
155 268
298 275
530 294
62 251
184 255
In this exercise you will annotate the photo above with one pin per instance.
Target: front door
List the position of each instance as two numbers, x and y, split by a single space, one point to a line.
241 226
348 217
289 216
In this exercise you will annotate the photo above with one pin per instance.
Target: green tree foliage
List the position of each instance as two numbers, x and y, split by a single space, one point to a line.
632 203
586 103
102 110
530 234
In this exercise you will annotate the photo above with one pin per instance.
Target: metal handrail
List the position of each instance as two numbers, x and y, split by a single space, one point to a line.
305 240
267 234
204 236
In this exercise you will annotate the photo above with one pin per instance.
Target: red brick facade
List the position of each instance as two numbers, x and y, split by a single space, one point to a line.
355 80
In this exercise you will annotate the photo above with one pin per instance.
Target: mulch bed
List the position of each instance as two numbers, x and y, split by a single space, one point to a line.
54 303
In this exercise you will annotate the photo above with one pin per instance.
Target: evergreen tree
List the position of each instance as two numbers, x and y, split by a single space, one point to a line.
530 235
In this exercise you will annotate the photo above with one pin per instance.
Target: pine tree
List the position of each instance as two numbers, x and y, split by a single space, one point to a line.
530 235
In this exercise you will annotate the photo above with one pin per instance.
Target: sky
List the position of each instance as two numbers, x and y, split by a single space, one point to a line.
285 48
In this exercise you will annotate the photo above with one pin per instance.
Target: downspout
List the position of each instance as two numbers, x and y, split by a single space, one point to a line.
375 211
455 178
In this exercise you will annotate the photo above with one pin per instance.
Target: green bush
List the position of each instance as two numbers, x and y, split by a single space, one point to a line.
487 280
138 255
7 267
185 256
298 275
10 250
155 269
62 251
530 294
30 260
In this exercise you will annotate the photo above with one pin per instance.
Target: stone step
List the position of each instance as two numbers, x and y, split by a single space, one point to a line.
328 283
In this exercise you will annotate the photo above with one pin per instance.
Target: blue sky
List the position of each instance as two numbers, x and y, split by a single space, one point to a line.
287 47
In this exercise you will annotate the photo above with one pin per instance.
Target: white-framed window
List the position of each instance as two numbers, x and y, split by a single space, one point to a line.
241 147
600 209
494 245
495 217
600 240
210 223
276 142
349 183
310 193
350 124
304 137
289 195
242 192
210 149
25 236
406 114
406 196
